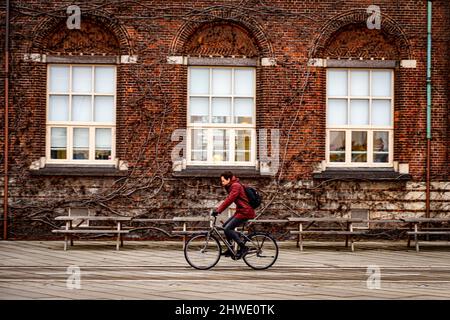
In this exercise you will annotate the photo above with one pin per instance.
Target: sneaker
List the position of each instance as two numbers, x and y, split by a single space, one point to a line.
227 253
241 253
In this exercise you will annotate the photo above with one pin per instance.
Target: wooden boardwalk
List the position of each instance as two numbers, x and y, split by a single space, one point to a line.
157 270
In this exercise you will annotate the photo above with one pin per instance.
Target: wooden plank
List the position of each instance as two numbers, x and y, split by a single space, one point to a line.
429 232
413 220
152 220
328 232
92 218
91 231
309 219
191 219
268 221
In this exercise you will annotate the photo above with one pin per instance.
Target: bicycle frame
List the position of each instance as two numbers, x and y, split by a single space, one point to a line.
215 230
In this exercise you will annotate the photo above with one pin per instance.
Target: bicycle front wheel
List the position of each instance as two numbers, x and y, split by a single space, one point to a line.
263 251
202 251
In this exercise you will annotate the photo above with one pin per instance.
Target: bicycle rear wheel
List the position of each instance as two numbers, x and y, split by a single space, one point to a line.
263 251
202 251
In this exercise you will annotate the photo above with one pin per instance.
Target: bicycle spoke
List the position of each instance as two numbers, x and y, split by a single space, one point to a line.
259 243
202 252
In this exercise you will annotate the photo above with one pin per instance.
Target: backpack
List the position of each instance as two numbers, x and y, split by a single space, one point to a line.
254 198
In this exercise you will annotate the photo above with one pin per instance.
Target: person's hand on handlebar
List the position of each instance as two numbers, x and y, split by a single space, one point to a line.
214 213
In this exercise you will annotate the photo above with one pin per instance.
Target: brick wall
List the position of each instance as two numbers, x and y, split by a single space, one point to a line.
151 99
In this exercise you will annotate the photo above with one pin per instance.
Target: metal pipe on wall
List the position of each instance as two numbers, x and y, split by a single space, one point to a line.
6 145
429 87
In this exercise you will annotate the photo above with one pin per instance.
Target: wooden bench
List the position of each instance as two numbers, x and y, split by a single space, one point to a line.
69 229
418 230
347 231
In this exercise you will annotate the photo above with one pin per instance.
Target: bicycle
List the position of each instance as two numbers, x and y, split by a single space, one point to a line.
203 251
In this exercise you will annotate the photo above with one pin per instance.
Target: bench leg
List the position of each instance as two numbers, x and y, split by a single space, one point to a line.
352 244
409 241
301 242
71 241
121 240
416 238
346 241
65 242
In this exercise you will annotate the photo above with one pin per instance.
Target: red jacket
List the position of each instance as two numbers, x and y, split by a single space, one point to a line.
236 194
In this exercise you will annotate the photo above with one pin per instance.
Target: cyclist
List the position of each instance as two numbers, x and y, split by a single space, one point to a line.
244 212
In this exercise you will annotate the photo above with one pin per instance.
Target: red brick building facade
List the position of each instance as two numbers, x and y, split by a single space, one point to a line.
340 85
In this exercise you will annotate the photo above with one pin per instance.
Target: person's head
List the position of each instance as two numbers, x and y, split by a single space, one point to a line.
226 177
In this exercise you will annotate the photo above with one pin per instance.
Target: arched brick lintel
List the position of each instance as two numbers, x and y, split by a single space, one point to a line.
225 15
44 29
388 26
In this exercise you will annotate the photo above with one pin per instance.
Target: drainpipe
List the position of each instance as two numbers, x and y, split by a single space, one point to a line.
6 180
429 22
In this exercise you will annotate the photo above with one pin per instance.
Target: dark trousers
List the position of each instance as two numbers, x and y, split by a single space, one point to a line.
229 227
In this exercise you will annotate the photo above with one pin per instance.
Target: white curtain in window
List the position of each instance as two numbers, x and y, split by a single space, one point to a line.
359 83
199 81
81 108
103 139
381 112
82 79
221 109
337 83
337 112
81 138
104 79
381 83
104 109
59 79
58 137
59 108
359 112
221 81
243 107
244 82
199 109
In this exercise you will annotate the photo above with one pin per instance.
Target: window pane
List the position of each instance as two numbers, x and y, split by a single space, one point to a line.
104 79
381 146
220 145
359 83
58 108
221 81
244 82
381 141
359 112
381 83
337 83
58 144
81 79
103 144
359 146
199 110
337 146
199 81
243 145
337 112
81 108
80 143
381 112
221 110
199 144
104 109
59 79
243 110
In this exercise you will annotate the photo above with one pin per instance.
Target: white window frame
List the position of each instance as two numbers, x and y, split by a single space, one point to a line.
211 126
70 125
370 129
